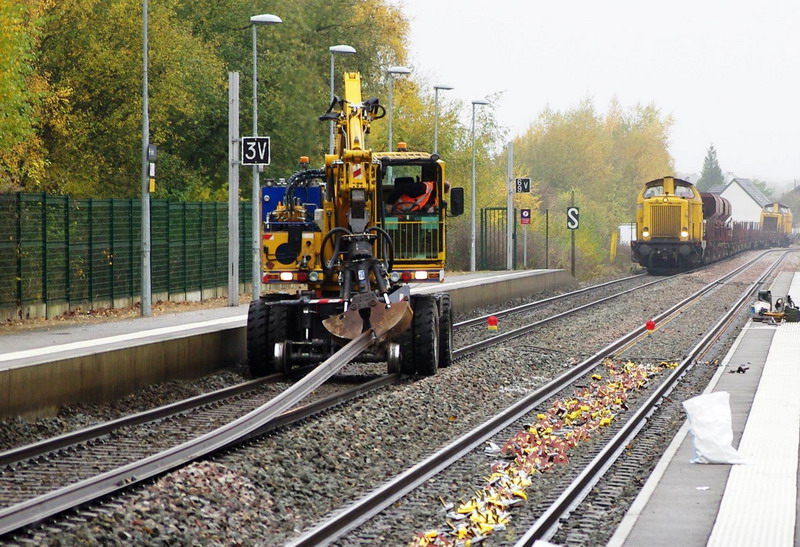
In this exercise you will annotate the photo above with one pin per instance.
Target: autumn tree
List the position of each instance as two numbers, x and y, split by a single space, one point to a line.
72 74
604 159
23 94
712 173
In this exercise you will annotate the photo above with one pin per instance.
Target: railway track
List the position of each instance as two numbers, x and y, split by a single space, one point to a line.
344 525
41 499
117 477
41 479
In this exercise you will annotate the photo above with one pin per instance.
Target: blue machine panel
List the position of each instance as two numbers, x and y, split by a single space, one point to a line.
311 197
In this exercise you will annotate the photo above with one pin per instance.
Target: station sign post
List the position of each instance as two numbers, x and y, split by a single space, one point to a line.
573 221
525 220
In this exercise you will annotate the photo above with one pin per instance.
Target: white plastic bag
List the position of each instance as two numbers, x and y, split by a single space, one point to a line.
710 423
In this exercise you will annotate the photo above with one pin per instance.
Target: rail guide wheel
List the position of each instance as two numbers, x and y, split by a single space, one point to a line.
419 346
278 334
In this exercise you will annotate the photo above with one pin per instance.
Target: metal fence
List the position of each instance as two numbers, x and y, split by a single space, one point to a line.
55 249
493 239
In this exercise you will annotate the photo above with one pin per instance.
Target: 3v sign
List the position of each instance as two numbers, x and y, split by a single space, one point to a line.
255 150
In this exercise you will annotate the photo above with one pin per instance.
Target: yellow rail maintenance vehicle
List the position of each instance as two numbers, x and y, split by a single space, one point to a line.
776 220
340 246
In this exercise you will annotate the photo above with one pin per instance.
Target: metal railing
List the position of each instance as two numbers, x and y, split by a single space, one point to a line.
56 249
415 237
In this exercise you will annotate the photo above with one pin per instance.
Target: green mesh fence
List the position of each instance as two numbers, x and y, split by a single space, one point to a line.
56 249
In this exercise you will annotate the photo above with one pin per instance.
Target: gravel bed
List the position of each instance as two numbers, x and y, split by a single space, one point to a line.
270 491
424 510
596 519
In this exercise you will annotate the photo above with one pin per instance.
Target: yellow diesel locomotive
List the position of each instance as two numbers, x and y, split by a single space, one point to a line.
679 228
776 221
669 225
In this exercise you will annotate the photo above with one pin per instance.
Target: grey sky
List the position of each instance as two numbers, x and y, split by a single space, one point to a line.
727 72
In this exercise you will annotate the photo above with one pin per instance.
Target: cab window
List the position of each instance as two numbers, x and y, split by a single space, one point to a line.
684 192
653 191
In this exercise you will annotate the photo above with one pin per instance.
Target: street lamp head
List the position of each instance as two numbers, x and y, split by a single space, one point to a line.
398 70
480 102
265 19
342 48
443 86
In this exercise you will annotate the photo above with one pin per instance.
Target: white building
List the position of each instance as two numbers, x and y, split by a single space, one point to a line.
746 199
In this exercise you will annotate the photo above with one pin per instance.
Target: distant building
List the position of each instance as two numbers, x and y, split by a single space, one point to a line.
627 233
746 199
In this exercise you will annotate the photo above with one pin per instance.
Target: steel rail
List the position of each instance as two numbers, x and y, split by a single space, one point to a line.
502 337
61 500
545 301
547 524
45 446
360 511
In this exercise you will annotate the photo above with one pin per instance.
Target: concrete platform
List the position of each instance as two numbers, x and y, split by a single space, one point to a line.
43 368
754 503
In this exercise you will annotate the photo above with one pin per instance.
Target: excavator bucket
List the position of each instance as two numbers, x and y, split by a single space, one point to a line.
387 323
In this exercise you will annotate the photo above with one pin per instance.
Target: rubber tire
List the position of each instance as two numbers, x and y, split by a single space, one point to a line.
259 357
407 362
419 347
445 331
278 331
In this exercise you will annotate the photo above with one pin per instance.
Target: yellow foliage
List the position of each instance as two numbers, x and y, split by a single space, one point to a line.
603 159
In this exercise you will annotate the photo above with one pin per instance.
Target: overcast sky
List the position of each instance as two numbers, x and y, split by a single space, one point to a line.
726 71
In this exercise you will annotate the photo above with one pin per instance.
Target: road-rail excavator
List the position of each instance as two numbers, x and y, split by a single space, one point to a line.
334 237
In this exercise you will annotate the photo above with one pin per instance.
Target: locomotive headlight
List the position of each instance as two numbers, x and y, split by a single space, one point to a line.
394 277
665 199
313 276
645 232
685 232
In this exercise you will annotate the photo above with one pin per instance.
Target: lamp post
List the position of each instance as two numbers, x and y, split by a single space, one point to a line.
392 71
146 297
255 20
474 198
345 49
436 89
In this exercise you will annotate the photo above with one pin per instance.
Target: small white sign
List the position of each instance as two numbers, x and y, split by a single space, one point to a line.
573 218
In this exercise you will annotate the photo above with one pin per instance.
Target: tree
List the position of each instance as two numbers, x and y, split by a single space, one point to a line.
70 82
712 174
604 160
21 92
761 185
792 200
